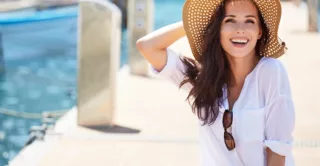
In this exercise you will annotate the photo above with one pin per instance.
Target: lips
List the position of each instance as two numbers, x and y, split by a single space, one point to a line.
239 42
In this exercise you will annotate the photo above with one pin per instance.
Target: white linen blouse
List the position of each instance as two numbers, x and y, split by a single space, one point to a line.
263 116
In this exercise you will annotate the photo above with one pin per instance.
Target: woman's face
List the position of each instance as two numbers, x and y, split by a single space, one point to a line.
240 28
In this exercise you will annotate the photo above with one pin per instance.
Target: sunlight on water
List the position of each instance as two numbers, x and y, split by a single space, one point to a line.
41 67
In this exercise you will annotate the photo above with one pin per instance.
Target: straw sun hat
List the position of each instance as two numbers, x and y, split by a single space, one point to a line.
197 14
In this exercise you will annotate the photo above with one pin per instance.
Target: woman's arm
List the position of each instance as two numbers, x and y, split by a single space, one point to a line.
280 113
273 159
153 46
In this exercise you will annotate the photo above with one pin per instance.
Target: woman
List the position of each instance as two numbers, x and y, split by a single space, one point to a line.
237 88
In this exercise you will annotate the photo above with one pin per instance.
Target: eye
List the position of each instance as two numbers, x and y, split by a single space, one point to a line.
230 20
250 21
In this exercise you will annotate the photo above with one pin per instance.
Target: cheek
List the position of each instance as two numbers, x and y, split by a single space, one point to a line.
253 31
225 33
227 29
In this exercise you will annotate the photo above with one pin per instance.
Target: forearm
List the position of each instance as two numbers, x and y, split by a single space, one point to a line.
273 159
163 37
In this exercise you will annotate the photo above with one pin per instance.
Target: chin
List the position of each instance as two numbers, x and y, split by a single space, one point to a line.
238 54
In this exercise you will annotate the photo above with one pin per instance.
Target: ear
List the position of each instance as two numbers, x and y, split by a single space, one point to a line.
260 34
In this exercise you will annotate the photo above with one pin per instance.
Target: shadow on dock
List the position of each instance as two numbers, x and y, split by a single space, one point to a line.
115 129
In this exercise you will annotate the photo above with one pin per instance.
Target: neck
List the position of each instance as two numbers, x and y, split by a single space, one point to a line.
240 68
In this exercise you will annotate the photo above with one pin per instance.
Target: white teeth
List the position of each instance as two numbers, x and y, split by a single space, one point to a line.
239 41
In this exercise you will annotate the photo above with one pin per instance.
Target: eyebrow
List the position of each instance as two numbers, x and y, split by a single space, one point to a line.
247 16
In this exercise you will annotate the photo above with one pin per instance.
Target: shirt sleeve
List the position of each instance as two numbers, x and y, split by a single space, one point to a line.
173 70
280 112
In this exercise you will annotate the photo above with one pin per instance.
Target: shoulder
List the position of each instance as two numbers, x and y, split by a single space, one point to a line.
273 77
271 67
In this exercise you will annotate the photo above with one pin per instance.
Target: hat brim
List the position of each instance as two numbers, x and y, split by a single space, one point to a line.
197 15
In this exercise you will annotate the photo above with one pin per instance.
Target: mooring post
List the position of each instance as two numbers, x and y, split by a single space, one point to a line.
140 23
99 40
313 15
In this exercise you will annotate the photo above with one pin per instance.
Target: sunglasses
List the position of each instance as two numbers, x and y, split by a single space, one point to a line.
227 122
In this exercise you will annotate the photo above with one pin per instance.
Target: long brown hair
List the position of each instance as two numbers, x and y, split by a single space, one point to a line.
212 71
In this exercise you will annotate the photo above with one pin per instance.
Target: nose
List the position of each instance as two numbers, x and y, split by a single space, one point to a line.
240 29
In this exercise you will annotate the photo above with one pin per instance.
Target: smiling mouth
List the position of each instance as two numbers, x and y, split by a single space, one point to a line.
239 43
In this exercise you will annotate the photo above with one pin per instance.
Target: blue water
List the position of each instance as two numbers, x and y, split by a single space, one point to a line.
41 65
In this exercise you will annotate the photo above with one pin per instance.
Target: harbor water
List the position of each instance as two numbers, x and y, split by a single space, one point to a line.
40 66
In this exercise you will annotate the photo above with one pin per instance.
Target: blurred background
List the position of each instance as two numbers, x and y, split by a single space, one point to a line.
39 64
39 57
